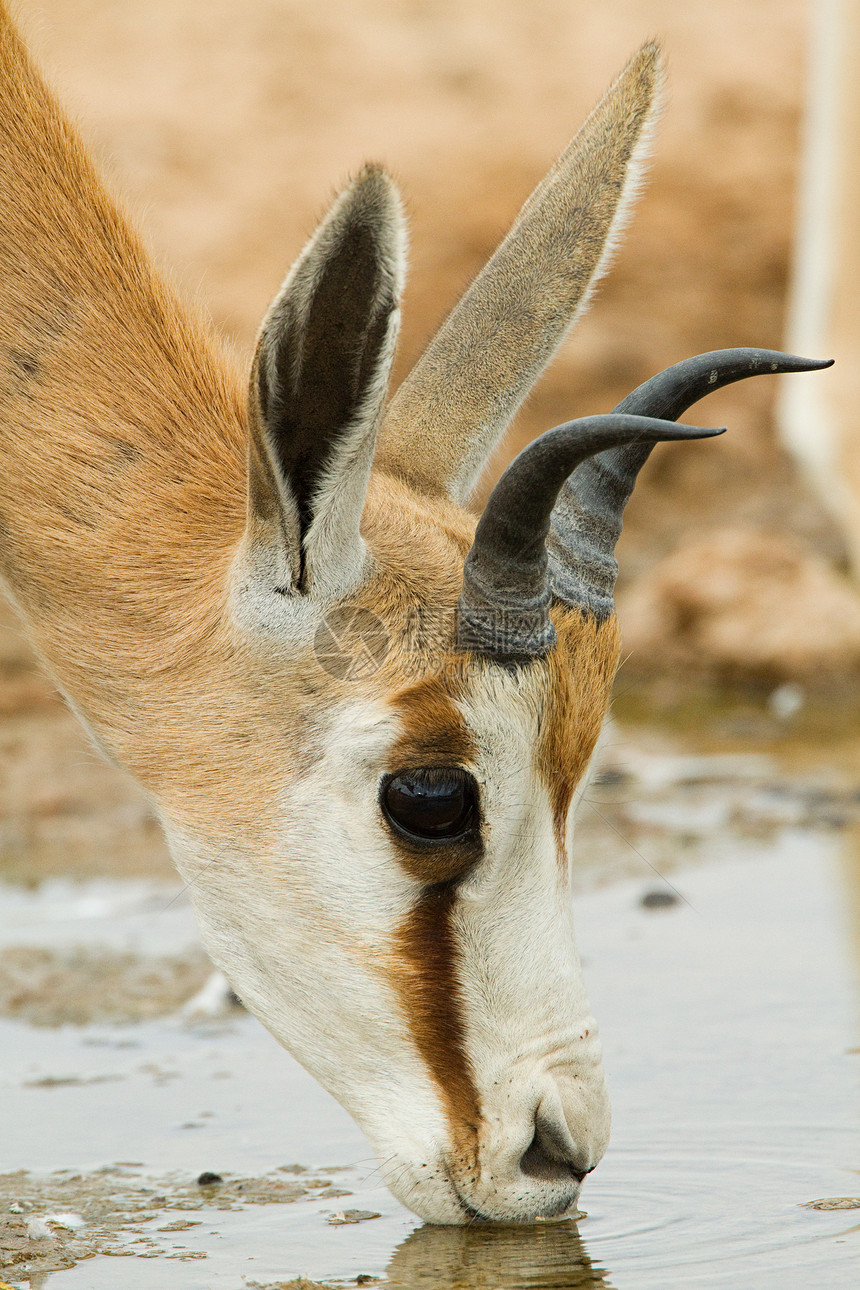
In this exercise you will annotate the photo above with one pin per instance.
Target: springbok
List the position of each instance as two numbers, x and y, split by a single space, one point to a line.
378 855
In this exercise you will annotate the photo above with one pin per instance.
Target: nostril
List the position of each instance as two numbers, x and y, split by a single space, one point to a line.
536 1162
552 1155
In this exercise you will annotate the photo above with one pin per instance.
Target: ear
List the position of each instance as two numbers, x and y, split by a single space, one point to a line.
456 403
318 386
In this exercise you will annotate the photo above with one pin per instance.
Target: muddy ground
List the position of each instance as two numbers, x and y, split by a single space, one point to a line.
41 1230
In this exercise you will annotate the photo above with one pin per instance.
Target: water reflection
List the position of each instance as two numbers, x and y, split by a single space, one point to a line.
547 1256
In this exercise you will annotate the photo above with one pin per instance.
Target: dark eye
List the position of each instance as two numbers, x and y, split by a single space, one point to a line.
434 803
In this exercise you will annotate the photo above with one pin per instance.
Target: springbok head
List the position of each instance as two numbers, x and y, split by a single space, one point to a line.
406 928
362 719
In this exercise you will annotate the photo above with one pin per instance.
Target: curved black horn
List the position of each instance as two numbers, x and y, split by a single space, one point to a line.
504 605
587 518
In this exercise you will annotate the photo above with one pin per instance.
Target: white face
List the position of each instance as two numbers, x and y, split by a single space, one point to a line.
451 1019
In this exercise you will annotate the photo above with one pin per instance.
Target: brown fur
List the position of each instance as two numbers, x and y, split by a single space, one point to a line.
433 730
123 439
428 986
123 487
581 670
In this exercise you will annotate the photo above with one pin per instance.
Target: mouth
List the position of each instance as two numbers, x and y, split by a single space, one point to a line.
470 1214
551 1213
561 1210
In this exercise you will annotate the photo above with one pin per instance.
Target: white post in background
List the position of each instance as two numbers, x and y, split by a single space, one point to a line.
820 420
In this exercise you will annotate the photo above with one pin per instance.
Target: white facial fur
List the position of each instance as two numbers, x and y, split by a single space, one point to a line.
531 1037
306 935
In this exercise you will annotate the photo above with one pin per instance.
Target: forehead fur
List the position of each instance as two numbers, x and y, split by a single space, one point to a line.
418 545
561 699
260 717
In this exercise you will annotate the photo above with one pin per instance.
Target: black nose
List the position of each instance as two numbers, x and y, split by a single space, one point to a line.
552 1155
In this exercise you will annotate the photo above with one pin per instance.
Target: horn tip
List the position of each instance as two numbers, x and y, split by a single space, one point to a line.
707 432
683 430
788 363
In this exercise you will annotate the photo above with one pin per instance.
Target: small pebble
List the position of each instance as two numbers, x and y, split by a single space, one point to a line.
208 1179
659 898
352 1216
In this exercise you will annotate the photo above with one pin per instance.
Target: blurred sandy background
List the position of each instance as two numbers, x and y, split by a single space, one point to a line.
227 128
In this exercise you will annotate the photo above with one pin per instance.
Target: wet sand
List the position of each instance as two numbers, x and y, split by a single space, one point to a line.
49 988
43 1229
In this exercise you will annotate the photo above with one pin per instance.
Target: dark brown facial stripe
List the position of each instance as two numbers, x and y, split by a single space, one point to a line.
430 991
581 670
433 732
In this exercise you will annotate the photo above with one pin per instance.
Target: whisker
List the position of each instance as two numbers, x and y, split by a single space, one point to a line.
642 857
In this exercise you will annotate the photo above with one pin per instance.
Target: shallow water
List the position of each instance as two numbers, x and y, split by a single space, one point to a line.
731 1027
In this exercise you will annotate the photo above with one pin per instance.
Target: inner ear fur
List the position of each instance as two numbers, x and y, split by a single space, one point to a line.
318 385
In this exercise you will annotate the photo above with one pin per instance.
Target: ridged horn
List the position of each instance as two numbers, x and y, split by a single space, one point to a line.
503 608
586 521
